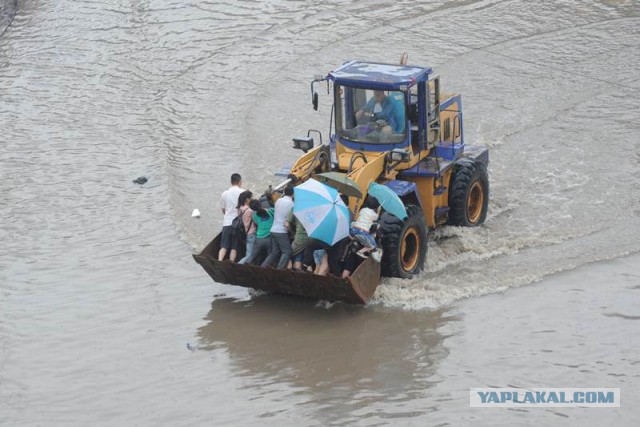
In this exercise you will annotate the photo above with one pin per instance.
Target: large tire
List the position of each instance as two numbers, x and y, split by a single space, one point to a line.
468 193
404 243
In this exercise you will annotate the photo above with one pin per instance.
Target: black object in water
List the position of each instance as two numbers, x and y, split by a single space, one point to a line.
140 180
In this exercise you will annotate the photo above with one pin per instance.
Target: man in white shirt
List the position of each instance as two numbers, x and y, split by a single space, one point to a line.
280 243
228 204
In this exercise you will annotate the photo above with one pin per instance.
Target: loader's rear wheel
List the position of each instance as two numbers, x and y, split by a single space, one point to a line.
468 193
404 243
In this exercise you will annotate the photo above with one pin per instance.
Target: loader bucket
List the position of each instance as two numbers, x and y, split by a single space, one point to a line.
356 289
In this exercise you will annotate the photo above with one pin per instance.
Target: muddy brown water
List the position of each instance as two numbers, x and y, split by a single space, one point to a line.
99 295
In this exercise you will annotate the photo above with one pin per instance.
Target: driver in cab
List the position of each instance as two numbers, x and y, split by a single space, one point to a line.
384 110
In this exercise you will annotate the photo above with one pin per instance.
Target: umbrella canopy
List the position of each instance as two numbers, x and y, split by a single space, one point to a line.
340 182
321 211
388 199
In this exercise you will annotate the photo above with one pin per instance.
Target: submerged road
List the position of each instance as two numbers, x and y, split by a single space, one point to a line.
99 295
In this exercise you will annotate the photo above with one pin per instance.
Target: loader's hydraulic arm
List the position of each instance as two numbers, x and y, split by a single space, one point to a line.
365 169
317 160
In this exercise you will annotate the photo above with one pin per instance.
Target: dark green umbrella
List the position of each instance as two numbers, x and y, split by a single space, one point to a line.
340 182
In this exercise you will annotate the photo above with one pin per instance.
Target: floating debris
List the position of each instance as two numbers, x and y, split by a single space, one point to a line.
195 213
140 180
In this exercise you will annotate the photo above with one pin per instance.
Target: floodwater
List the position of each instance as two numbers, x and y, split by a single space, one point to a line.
99 295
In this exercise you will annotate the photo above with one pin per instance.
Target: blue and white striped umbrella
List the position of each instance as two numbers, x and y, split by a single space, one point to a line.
321 211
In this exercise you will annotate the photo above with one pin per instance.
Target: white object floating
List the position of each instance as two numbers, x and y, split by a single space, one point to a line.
195 213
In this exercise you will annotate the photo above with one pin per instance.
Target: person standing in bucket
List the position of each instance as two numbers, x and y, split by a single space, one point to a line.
228 203
246 208
280 243
263 218
300 242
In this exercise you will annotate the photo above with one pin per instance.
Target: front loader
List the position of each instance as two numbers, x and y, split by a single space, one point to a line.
392 125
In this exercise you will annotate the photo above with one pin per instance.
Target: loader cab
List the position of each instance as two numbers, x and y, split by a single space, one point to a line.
382 107
371 116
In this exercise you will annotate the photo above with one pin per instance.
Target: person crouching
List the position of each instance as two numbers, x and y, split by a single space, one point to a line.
361 227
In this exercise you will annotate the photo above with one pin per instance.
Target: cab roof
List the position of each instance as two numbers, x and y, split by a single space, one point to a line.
374 75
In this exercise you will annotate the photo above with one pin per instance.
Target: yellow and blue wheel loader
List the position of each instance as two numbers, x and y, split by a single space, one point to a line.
392 125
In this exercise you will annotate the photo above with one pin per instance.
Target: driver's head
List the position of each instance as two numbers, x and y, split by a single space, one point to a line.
378 95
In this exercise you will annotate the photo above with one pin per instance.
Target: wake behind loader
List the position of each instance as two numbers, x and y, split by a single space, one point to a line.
391 125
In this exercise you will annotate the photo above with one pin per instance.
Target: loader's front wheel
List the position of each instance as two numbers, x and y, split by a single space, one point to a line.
404 243
468 193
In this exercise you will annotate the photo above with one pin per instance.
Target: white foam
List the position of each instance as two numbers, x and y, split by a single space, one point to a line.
468 262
